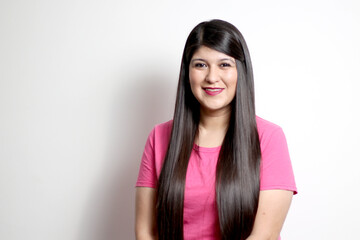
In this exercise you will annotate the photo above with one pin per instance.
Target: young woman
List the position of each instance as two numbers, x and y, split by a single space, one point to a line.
216 171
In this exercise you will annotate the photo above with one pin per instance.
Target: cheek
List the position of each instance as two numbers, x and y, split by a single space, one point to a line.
192 76
232 81
194 79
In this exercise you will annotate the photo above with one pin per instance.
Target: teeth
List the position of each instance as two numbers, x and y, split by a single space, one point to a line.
212 90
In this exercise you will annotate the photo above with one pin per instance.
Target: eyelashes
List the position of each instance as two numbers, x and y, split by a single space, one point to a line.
225 65
203 65
199 65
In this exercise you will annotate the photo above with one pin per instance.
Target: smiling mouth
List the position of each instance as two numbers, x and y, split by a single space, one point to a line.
213 91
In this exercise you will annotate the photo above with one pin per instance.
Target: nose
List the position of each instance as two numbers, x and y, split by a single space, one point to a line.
212 75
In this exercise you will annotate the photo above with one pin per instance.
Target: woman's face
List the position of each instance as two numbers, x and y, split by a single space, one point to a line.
213 78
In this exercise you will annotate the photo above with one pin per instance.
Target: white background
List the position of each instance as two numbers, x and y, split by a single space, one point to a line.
83 82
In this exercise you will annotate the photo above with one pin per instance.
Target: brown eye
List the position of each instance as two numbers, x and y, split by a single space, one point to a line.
225 65
200 65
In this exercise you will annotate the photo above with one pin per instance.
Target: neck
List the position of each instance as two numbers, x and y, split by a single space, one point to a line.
214 121
212 127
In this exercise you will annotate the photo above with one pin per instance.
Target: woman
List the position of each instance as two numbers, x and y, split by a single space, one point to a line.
216 171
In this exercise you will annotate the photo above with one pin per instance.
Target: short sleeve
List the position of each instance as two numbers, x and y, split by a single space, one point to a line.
276 170
147 172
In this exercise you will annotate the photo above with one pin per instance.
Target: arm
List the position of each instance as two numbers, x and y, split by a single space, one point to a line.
271 214
145 220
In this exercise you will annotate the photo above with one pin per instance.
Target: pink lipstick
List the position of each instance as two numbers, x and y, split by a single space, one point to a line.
213 91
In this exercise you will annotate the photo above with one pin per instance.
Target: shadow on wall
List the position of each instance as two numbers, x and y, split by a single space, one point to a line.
110 214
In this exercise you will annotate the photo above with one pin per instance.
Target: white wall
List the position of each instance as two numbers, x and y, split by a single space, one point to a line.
83 82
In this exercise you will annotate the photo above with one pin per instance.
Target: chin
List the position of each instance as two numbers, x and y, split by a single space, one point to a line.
215 108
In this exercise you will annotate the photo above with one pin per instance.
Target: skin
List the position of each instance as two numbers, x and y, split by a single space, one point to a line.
145 222
210 68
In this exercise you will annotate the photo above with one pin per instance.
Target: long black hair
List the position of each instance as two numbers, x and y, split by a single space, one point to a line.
237 171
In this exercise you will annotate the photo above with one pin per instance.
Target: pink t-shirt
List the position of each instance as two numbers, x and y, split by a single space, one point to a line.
200 213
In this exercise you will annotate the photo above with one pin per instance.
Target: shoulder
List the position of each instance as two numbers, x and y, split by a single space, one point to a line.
268 131
154 154
160 134
265 126
275 168
163 129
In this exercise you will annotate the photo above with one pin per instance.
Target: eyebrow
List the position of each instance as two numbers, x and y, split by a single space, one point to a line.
222 59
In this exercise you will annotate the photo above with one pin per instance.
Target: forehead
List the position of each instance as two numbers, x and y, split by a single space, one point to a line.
207 53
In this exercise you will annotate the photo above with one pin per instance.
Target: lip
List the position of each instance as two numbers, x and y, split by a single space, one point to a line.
213 91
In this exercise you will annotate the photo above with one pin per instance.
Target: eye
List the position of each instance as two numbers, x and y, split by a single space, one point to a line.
225 65
200 65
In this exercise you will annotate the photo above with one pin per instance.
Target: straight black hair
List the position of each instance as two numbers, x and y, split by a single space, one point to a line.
237 171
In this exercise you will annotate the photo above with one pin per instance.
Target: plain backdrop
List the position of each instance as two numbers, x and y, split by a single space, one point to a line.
82 83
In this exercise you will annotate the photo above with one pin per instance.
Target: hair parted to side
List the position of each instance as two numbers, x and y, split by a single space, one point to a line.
237 173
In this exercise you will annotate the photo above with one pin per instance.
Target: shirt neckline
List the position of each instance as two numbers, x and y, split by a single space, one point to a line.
206 149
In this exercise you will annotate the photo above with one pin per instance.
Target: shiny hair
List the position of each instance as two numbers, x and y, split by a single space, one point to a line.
237 170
